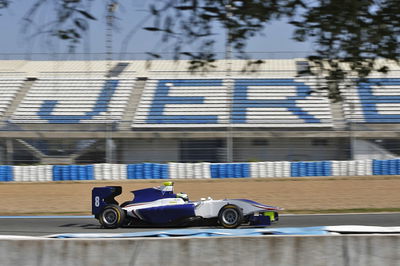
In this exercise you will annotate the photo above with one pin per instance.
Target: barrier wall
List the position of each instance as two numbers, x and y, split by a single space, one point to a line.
366 250
6 173
72 172
198 170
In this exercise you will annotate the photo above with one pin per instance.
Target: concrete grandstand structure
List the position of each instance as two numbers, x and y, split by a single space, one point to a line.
64 111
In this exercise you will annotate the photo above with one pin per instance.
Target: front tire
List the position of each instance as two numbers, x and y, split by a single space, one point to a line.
230 216
112 216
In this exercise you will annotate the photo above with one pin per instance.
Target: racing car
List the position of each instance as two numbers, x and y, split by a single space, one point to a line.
160 206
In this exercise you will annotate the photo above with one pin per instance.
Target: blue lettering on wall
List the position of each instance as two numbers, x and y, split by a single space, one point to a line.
101 105
241 100
161 99
369 101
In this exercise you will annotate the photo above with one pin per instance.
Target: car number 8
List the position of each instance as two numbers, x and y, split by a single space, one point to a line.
97 201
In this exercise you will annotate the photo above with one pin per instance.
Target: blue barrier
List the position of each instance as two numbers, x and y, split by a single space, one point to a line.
222 171
398 166
393 167
323 168
214 170
147 171
319 169
294 169
230 170
65 172
73 172
10 173
217 170
238 170
6 173
156 174
310 169
139 171
376 167
130 171
164 171
56 173
90 172
83 172
327 168
386 167
245 169
302 169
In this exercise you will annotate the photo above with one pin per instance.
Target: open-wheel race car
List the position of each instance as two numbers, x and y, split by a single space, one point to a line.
159 206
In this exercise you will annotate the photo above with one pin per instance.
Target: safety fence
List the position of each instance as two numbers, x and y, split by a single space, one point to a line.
198 170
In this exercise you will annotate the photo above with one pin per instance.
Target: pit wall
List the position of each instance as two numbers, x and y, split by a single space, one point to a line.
198 170
366 250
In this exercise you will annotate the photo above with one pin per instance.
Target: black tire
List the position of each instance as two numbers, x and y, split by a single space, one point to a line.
230 216
112 216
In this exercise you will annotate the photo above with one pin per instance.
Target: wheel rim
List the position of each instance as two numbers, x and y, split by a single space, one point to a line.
230 216
110 216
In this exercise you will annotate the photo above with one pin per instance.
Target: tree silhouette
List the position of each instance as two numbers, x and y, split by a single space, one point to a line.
350 36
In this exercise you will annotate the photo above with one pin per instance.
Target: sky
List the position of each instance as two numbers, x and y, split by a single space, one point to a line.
276 42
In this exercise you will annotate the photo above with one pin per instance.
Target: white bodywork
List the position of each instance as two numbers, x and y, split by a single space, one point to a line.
210 208
206 208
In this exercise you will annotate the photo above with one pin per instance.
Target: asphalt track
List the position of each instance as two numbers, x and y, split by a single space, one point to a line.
42 226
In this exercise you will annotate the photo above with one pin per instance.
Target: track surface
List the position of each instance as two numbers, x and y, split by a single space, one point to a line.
48 226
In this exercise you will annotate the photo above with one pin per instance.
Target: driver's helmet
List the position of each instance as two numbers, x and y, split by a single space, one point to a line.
167 187
183 196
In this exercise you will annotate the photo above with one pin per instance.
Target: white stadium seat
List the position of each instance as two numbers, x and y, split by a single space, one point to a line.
72 100
9 88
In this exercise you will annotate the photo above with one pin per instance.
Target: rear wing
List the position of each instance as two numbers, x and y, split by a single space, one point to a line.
102 196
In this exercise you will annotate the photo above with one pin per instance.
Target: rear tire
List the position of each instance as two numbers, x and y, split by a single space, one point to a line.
112 216
230 216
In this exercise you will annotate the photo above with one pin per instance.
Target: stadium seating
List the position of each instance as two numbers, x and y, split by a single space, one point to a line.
183 102
375 101
255 103
72 101
276 102
9 87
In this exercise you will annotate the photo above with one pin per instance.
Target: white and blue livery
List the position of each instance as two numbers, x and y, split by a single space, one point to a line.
159 206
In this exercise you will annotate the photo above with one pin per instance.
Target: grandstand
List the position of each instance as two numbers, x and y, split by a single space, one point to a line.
64 111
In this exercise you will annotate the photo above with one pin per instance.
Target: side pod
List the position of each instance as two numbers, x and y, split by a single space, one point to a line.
102 196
